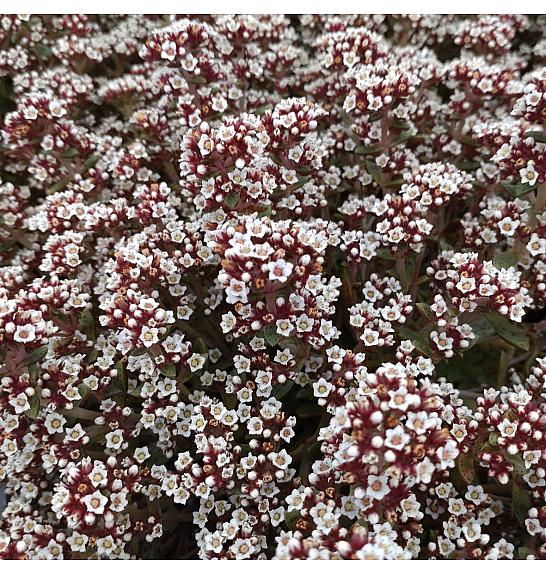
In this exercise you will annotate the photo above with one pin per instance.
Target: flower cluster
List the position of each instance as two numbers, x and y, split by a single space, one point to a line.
272 287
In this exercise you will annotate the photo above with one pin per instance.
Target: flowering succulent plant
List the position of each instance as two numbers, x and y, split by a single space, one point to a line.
273 287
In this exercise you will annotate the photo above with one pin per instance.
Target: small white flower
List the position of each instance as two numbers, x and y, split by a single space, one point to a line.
95 502
284 327
507 428
466 284
149 336
396 438
508 226
529 174
475 494
75 433
25 334
236 291
456 506
54 423
378 486
118 500
77 541
304 324
322 388
196 361
280 459
114 439
279 270
20 403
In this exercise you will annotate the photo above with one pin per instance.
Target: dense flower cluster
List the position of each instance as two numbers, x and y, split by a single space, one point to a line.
273 287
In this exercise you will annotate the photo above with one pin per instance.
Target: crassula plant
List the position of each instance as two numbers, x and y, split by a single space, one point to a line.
273 287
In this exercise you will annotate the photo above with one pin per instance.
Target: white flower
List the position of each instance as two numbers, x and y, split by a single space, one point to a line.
378 486
196 361
25 333
20 403
206 144
168 50
228 322
114 439
456 506
304 324
508 226
279 270
507 428
118 500
236 291
95 502
105 546
98 476
284 327
466 284
75 433
536 245
77 541
149 336
396 438
529 174
475 494
54 423
472 530
322 388
370 337
531 457
280 459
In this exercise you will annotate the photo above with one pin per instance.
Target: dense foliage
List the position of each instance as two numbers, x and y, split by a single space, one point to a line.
273 287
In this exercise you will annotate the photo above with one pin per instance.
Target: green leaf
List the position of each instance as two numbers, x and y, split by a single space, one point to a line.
424 309
468 165
140 351
169 370
231 200
465 465
482 328
197 80
34 406
366 149
291 518
538 136
400 138
373 169
506 259
301 182
419 340
518 189
58 186
43 52
36 356
385 253
200 346
476 367
521 503
90 162
523 552
281 390
267 210
270 335
71 152
117 385
309 409
83 389
508 330
516 460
